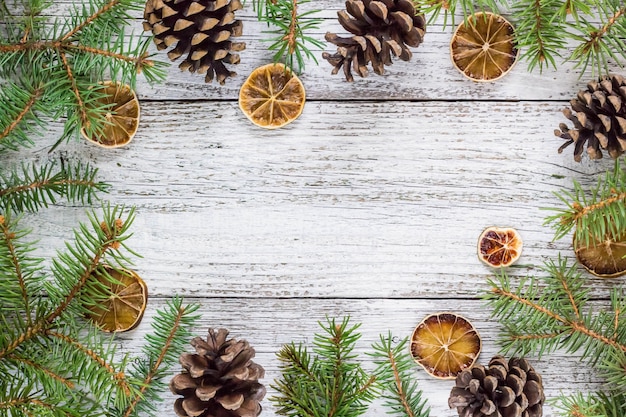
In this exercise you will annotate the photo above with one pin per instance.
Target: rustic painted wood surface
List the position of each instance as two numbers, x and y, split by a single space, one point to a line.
369 205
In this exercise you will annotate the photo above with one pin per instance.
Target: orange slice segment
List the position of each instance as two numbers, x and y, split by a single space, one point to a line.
445 344
272 96
122 304
483 47
122 117
499 246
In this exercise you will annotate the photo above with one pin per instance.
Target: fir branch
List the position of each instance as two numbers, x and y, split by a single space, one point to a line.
31 188
172 328
330 384
291 41
595 214
597 404
73 57
540 319
394 372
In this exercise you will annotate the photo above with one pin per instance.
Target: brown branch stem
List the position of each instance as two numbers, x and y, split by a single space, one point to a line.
119 377
584 211
9 236
41 184
90 19
69 384
22 114
398 382
70 75
574 325
291 36
157 364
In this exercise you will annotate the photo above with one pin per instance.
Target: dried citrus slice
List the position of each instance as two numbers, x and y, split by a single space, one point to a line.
121 307
483 47
499 246
272 96
122 117
445 344
606 259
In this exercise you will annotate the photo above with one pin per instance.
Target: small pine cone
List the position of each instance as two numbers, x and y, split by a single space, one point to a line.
503 389
380 28
599 121
219 380
201 29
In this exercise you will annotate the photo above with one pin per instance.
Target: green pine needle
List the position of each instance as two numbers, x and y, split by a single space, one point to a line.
53 68
395 373
594 214
540 316
331 383
289 38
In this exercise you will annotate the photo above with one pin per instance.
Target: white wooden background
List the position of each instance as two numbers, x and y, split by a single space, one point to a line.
369 205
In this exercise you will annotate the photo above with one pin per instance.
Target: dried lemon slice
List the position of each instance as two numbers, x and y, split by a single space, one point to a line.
445 344
606 259
483 47
499 246
272 96
122 117
122 304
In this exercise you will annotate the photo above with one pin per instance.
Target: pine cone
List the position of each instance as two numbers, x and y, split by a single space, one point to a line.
503 389
199 28
219 380
380 28
600 119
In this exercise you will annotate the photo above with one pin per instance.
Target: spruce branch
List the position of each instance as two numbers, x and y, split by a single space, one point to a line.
29 187
54 69
597 404
593 214
61 364
542 315
329 384
171 330
394 373
291 41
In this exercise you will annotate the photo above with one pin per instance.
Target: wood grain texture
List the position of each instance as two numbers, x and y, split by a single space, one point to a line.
370 204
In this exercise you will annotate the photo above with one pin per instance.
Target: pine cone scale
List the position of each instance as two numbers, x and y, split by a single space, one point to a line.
393 23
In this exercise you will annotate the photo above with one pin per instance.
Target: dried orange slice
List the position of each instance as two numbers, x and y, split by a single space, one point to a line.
445 344
606 259
499 246
122 117
272 96
483 47
121 306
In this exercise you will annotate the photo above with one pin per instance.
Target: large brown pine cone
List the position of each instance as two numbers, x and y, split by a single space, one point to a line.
380 28
201 29
599 121
503 389
219 380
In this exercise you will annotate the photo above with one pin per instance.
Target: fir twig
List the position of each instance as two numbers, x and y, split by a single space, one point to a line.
542 317
330 384
30 188
291 41
595 214
54 69
395 374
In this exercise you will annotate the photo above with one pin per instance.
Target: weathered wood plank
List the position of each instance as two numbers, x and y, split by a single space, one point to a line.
351 200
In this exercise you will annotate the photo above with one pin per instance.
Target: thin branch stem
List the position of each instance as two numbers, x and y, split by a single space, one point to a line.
8 237
576 326
157 364
23 113
291 36
584 211
119 377
69 384
570 296
90 19
70 75
398 383
42 184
